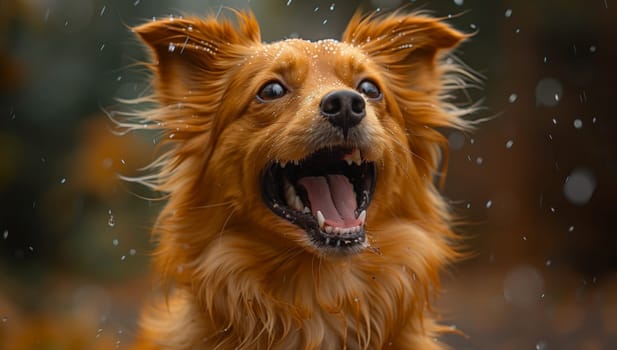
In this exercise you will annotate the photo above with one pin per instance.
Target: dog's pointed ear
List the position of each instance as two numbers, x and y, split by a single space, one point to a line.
190 52
408 45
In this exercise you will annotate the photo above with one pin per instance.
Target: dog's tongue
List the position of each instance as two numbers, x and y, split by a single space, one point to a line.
333 196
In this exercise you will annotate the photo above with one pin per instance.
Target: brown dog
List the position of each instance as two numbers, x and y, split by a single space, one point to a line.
302 212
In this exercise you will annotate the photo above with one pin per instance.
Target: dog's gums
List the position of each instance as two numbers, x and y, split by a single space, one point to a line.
301 206
326 194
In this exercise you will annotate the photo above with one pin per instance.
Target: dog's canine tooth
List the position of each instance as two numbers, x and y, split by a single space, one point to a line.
306 210
349 161
328 229
320 219
298 204
283 163
356 156
362 217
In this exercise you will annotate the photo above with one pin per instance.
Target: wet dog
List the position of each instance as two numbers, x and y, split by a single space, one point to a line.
302 211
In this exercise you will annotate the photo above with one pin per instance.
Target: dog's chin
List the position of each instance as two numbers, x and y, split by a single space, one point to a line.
326 194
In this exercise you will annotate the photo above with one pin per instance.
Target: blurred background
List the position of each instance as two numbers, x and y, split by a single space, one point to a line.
537 183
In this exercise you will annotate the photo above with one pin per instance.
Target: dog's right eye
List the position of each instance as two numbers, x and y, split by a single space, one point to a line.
271 91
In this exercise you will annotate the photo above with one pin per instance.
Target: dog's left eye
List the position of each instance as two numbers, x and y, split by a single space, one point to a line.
271 91
369 89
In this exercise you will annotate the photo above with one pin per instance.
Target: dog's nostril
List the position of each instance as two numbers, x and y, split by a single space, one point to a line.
343 109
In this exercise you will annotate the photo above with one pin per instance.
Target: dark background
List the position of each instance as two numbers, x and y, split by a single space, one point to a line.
536 183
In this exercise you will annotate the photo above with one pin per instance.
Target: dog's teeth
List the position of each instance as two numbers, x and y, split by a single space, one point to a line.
349 161
356 156
362 217
290 194
299 205
306 210
320 219
283 163
328 229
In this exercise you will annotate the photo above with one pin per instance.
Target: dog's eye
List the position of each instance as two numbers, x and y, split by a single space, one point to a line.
370 90
271 91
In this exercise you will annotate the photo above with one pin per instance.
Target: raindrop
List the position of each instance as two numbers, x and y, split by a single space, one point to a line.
132 251
123 257
468 206
546 90
545 59
459 2
541 346
103 10
557 97
571 229
332 6
517 30
578 123
63 180
473 26
289 2
579 186
325 21
111 222
479 160
555 121
509 144
593 121
316 9
136 2
118 78
512 98
4 319
592 48
508 13
489 204
115 242
102 47
47 13
171 47
548 263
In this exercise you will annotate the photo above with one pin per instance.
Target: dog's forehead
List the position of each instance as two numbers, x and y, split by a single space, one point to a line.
318 52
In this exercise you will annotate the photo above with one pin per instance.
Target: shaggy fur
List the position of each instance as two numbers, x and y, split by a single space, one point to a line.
241 277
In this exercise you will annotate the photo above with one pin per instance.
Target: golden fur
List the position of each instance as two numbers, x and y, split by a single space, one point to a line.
241 277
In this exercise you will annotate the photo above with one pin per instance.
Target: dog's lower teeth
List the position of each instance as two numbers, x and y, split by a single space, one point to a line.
320 219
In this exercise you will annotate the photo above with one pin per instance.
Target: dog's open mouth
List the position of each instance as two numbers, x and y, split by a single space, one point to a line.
327 194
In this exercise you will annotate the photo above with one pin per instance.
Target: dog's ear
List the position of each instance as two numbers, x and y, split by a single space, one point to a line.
190 54
407 46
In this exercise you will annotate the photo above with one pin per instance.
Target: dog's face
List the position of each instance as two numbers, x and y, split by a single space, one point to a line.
314 144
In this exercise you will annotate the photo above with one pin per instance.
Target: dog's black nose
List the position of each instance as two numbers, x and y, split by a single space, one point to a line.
343 108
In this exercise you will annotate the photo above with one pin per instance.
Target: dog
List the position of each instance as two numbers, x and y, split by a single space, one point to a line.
302 210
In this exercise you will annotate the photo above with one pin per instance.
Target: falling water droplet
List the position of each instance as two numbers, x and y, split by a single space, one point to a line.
578 123
63 180
111 221
509 144
512 98
489 204
508 13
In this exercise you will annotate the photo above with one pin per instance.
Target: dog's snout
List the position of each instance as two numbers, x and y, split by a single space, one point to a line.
343 109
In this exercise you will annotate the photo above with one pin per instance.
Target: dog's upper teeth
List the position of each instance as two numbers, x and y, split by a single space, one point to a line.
349 161
283 163
306 210
356 156
320 219
298 204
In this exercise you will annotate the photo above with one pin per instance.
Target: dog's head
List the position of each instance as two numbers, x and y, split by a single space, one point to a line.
300 143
